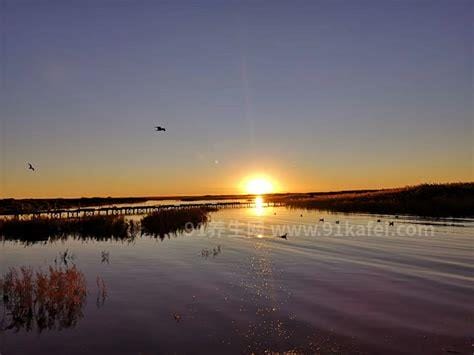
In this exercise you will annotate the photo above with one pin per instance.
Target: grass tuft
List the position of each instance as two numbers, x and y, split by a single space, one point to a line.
42 228
42 300
163 222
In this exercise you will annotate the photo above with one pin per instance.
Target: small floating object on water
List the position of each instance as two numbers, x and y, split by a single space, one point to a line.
390 223
337 222
284 236
301 215
378 221
321 220
177 317
216 251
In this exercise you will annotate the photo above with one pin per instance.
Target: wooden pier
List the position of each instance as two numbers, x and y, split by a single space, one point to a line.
138 210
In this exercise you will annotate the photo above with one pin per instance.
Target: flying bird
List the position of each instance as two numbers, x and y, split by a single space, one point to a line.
30 167
284 236
159 128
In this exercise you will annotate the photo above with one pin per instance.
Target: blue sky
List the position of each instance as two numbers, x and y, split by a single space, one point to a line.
316 95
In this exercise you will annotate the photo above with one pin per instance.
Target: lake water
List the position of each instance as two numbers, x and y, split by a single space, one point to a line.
235 286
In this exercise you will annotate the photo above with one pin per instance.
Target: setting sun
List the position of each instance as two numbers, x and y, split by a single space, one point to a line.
258 186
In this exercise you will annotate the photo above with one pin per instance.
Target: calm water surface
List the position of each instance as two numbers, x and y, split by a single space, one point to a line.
235 287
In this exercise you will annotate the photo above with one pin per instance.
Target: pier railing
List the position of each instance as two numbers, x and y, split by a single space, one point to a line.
137 210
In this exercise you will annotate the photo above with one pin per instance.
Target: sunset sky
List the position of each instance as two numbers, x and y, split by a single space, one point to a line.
310 95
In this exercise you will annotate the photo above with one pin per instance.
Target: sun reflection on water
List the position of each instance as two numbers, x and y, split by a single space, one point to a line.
259 208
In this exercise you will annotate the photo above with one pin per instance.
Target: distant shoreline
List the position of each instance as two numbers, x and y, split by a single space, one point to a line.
434 200
427 200
13 205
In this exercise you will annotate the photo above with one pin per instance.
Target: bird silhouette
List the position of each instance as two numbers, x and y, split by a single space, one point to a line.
159 128
284 236
321 220
30 167
337 222
390 223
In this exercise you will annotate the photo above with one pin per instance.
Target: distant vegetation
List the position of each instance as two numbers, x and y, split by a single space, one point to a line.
436 200
13 206
164 222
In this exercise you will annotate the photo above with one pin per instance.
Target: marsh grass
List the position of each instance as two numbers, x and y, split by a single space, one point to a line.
64 258
42 228
158 223
206 253
434 200
164 222
42 300
101 292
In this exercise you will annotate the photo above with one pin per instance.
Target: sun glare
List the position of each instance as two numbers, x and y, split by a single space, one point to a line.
258 186
259 210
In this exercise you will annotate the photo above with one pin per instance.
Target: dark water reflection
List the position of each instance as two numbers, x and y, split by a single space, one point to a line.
307 294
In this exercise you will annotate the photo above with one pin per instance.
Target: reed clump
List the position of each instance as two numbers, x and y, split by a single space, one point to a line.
163 222
431 200
160 223
42 300
42 228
